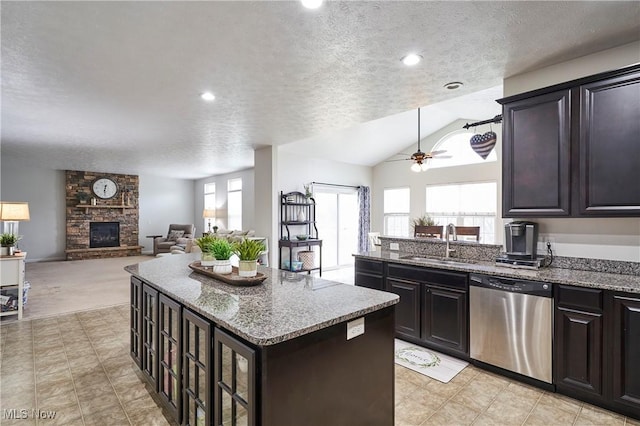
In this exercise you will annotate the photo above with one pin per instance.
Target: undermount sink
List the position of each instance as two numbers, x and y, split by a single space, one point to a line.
436 260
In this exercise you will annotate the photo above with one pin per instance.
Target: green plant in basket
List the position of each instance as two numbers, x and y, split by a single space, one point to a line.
248 249
204 242
221 249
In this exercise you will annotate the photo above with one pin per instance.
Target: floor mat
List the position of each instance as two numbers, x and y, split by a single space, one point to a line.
428 362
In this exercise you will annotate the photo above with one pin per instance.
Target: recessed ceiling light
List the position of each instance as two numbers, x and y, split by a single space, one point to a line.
454 85
411 59
311 4
208 96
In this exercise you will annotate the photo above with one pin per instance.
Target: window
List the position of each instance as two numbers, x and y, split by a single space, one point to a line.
396 212
459 149
209 204
468 204
234 204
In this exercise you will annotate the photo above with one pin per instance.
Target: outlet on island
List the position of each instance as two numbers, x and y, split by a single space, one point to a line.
394 246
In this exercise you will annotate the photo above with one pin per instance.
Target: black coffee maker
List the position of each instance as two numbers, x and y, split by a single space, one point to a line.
521 242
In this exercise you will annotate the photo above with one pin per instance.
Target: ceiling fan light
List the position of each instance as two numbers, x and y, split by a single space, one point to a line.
424 167
415 167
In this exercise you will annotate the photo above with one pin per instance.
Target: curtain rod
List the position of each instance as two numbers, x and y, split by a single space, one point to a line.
497 119
335 184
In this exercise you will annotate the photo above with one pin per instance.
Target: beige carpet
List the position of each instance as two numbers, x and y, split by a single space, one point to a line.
71 286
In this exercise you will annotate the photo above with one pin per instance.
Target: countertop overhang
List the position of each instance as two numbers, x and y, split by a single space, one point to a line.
285 306
601 280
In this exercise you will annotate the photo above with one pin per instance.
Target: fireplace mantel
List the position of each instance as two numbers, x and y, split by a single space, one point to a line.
86 207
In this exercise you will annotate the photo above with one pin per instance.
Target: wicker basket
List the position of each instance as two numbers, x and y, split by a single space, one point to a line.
308 259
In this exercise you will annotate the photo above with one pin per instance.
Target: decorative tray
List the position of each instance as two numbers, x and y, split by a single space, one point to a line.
232 279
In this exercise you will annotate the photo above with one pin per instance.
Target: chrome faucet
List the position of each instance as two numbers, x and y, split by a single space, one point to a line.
450 229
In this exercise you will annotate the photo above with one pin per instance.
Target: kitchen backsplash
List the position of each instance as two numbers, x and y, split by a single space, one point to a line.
488 253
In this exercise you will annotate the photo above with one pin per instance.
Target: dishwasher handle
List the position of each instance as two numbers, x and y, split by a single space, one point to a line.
512 285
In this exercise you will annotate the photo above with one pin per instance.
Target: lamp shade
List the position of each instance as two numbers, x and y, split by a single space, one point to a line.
14 211
207 213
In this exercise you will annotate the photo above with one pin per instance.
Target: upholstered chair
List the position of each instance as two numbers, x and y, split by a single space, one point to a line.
178 235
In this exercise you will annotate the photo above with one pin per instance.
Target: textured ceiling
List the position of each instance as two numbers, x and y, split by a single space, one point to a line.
113 86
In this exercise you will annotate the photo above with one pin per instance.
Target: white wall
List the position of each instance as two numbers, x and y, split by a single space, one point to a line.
248 201
163 201
607 238
295 170
44 236
398 174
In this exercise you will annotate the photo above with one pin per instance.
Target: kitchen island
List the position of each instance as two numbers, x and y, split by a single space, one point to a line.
293 350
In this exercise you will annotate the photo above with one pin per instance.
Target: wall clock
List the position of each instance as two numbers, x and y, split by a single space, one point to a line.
104 188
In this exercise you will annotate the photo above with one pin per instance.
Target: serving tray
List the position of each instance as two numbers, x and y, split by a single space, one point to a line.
232 279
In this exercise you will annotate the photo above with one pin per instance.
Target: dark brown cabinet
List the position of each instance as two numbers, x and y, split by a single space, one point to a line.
597 347
579 337
433 308
536 156
572 149
150 334
169 355
408 308
609 147
369 273
196 369
626 352
235 381
135 338
445 318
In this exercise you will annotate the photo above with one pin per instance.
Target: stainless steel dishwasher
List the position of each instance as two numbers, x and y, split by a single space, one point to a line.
511 324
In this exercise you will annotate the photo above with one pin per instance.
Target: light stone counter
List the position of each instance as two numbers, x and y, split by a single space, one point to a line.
285 306
602 280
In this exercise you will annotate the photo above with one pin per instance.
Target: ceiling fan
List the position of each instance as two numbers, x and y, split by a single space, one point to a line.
419 157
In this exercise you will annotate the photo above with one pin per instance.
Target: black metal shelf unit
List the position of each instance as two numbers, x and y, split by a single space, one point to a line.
298 218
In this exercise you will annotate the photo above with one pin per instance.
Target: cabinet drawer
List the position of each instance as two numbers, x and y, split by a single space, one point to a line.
369 266
442 278
11 271
373 281
589 299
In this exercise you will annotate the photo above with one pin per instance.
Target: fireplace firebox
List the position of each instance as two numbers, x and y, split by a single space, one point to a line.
104 234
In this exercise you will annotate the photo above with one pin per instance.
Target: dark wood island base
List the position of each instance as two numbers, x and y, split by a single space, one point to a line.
211 354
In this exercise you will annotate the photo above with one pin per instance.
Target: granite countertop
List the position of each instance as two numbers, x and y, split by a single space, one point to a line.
602 280
286 305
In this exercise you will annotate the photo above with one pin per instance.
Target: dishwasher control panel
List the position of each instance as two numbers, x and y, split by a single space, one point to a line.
512 285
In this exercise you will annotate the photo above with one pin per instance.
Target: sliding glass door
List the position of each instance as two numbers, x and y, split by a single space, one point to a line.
337 220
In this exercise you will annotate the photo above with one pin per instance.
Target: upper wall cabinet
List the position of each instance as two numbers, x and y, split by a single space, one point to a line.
573 149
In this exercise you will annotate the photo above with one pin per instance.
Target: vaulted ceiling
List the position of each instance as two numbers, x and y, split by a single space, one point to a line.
114 86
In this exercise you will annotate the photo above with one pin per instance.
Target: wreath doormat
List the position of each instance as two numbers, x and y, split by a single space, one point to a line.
425 361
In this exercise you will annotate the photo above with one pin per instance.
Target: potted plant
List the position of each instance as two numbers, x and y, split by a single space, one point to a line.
248 251
222 251
307 191
424 220
205 243
82 197
7 242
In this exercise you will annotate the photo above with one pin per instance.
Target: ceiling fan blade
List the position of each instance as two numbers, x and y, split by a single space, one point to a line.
398 159
440 157
440 151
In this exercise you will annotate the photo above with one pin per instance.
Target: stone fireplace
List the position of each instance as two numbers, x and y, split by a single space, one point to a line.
104 234
108 228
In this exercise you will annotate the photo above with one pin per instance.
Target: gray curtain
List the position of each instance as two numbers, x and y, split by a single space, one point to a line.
364 198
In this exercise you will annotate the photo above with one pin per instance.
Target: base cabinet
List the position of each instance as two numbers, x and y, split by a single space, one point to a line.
579 340
369 273
433 308
626 352
196 370
149 335
135 315
169 355
597 349
445 318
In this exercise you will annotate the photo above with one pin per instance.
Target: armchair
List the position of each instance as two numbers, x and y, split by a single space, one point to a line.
178 235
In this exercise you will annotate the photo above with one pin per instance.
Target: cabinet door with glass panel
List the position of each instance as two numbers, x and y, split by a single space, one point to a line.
234 381
196 384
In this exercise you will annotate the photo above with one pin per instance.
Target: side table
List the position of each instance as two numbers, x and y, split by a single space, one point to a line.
12 283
